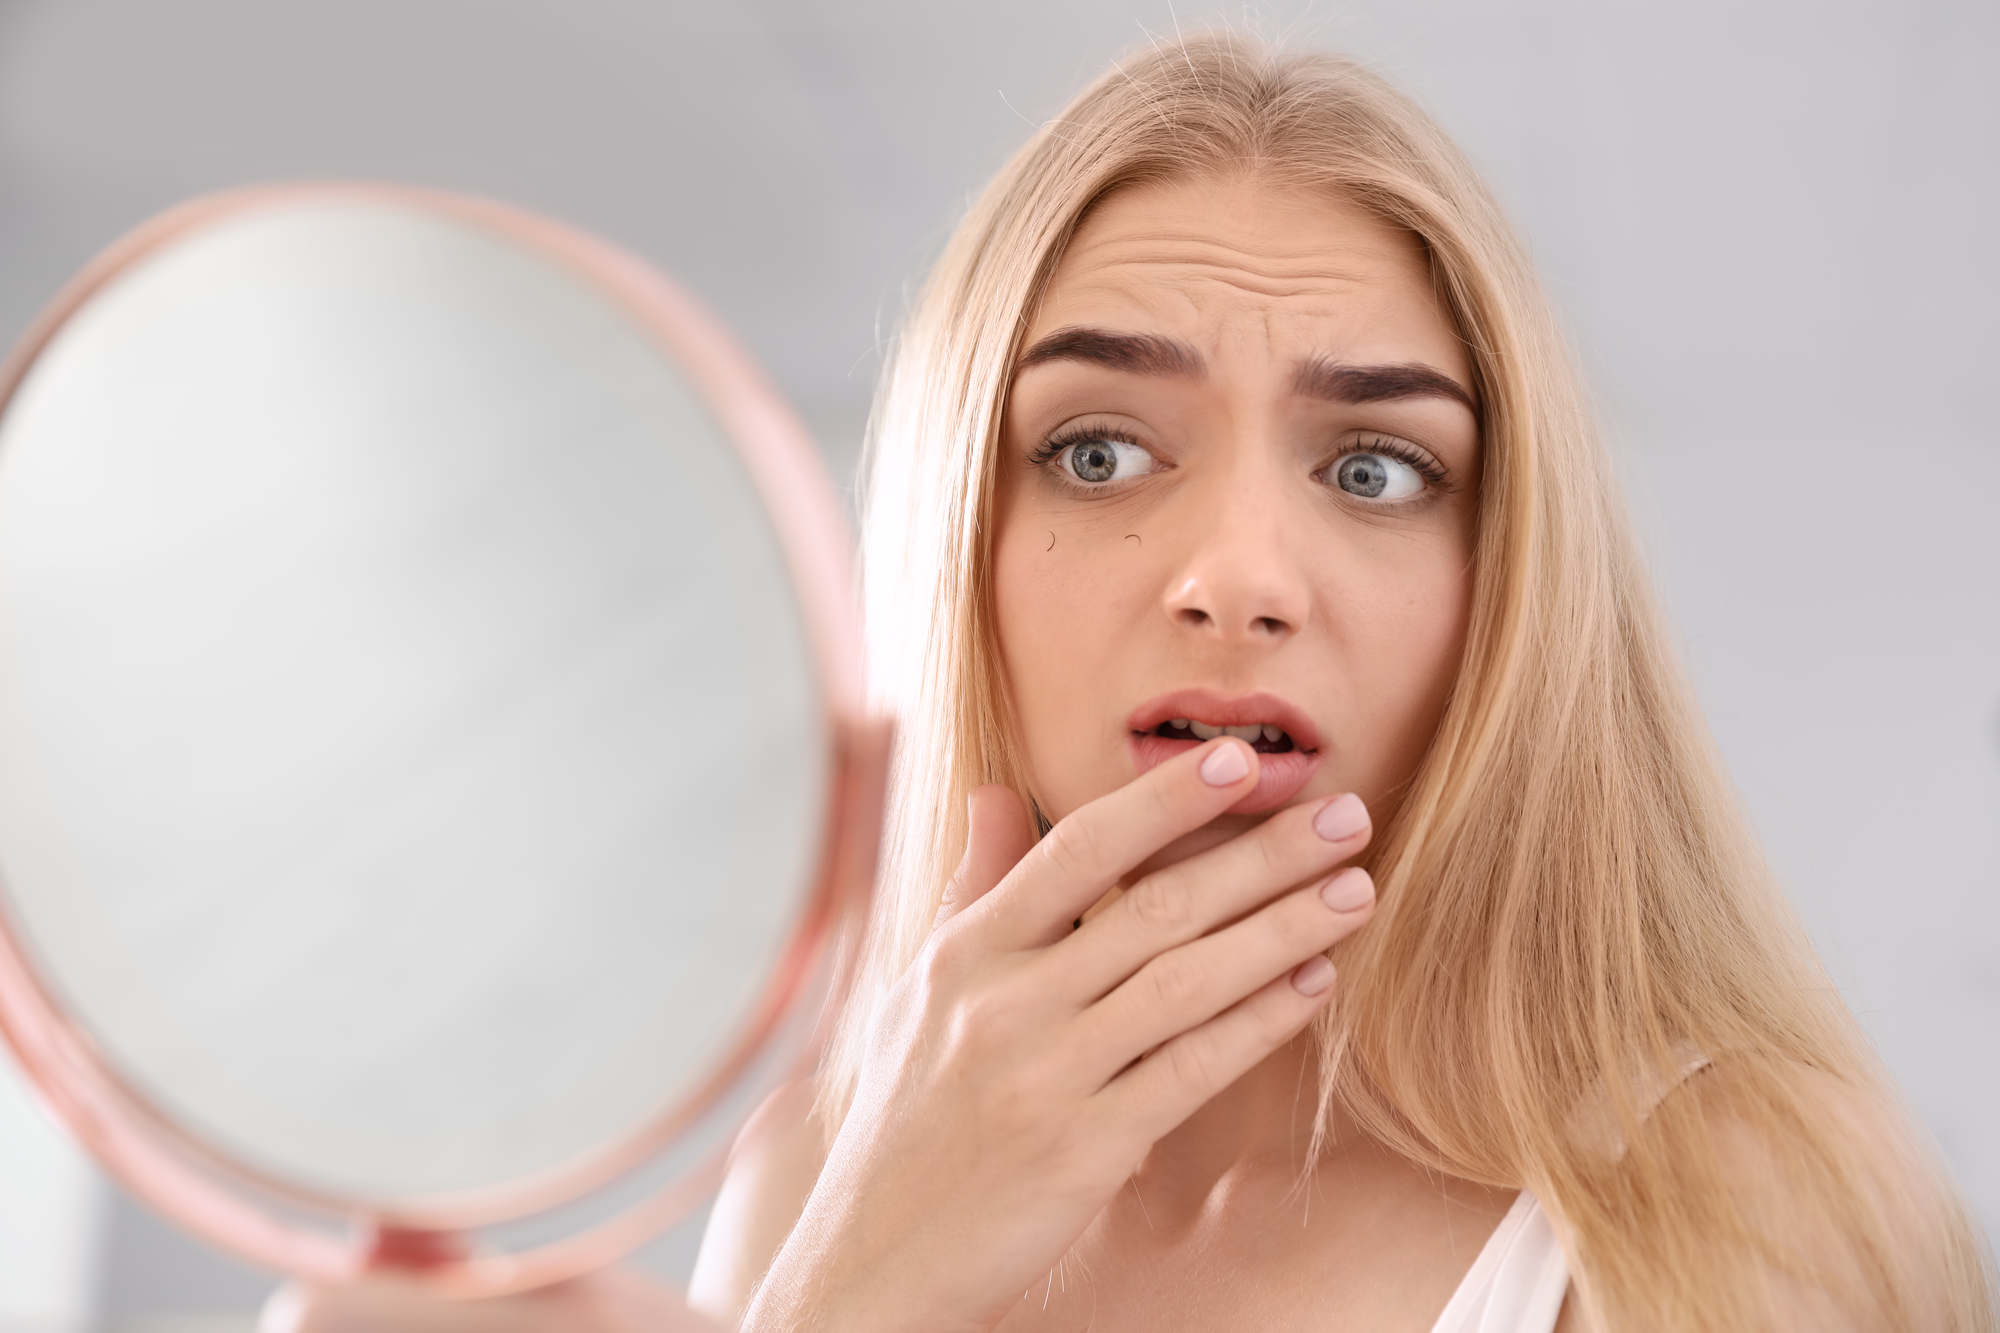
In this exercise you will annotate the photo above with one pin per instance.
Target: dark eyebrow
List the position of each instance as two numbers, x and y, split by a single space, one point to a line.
1138 353
1341 383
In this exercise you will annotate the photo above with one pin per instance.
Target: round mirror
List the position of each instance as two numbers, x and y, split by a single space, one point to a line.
431 754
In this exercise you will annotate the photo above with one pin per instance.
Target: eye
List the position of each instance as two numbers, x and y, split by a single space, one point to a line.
1098 461
1377 477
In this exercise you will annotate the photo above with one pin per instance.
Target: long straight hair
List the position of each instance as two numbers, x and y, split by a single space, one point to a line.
1570 902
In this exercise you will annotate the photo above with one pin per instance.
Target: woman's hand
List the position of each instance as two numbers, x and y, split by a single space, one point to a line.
1022 1068
616 1300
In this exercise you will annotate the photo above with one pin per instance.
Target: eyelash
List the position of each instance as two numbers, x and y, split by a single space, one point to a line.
1050 449
1388 446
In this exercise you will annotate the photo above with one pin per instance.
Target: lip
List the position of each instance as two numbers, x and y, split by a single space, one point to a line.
1280 777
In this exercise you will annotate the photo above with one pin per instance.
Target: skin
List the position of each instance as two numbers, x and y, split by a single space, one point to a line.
1103 1128
1249 572
1235 565
1113 1119
1253 571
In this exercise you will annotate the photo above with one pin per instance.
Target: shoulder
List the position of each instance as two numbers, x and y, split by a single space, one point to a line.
772 1170
1810 1194
1783 1131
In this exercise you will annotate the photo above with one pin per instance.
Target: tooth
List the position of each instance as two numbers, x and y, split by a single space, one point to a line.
1249 733
1272 733
1178 724
1203 730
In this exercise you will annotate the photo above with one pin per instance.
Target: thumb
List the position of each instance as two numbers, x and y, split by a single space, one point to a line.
998 834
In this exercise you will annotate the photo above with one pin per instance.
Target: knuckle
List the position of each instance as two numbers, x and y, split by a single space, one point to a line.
1192 1063
954 895
1289 927
1175 981
1274 1022
973 1023
1074 848
938 965
1162 907
986 1022
1271 850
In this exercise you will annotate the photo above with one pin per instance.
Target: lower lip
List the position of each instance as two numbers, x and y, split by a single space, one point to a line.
1280 777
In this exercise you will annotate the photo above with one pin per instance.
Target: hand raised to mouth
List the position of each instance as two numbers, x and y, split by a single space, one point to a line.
1023 1067
1283 736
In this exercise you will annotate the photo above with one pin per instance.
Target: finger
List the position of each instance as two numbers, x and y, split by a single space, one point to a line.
1187 900
998 834
1167 1086
1186 987
1095 847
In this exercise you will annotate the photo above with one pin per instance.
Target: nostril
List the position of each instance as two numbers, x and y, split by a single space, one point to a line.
1270 625
1194 616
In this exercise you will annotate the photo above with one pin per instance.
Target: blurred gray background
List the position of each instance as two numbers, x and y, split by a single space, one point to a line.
1773 227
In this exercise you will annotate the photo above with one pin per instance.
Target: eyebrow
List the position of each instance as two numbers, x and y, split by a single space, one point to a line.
1321 377
1138 353
1337 382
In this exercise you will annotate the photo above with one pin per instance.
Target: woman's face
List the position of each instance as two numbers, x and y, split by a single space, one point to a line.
1237 488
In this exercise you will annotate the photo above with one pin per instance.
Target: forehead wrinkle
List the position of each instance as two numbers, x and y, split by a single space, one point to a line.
1203 297
1146 281
1259 290
1263 279
1335 261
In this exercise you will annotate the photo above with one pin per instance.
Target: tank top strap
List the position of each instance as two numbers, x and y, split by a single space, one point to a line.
1517 1283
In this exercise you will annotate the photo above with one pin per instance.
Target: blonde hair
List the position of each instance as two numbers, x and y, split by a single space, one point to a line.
1570 901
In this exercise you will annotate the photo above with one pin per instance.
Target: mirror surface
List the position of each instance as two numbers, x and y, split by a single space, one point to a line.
411 759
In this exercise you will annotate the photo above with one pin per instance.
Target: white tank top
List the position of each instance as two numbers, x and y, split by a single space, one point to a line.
1518 1281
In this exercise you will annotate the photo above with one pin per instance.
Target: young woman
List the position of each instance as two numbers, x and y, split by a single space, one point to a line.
1249 584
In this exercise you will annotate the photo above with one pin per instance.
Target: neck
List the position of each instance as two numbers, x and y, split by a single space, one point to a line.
1256 1133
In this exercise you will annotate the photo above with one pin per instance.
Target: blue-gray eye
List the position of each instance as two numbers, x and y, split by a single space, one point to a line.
1377 477
1098 461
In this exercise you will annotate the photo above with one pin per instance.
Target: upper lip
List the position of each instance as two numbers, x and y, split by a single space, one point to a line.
1227 710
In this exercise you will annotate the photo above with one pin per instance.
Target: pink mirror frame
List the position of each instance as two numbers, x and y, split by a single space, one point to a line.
219 1200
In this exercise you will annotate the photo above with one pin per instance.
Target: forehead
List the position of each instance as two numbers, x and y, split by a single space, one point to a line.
1242 266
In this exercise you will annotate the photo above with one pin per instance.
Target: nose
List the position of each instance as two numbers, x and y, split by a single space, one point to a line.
1241 583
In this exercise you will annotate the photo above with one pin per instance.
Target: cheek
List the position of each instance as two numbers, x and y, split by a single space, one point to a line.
1021 611
1408 642
1056 616
1040 613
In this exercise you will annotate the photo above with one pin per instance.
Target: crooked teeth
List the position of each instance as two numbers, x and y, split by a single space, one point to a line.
1272 733
1179 723
1203 730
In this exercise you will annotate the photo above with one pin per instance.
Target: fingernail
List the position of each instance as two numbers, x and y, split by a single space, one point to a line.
1313 976
1349 891
1341 818
1226 764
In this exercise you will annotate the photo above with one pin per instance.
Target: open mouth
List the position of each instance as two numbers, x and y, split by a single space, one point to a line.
1264 737
1284 736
